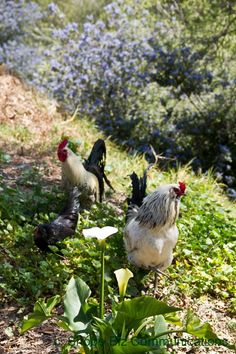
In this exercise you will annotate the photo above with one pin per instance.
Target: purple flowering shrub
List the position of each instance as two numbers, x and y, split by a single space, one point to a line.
16 17
107 71
25 31
14 25
136 76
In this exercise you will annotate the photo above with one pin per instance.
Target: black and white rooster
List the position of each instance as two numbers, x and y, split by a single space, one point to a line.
89 176
150 233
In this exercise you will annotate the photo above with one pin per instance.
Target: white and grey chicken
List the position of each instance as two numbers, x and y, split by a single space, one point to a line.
151 234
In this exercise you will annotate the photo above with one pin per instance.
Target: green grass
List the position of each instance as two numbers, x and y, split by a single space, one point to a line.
78 10
15 134
204 262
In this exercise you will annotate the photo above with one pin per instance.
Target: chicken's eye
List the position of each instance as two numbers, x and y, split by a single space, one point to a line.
177 192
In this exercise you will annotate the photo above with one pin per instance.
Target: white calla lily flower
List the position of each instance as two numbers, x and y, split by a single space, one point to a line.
99 233
122 276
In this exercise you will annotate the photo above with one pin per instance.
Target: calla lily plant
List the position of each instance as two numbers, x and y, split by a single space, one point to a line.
101 234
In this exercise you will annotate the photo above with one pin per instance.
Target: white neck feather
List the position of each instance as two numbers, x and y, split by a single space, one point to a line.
73 169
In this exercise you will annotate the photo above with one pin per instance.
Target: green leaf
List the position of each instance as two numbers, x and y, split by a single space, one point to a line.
161 350
107 335
9 227
32 320
104 327
52 302
45 308
42 311
198 329
160 326
203 330
133 311
76 307
63 324
173 318
65 349
5 157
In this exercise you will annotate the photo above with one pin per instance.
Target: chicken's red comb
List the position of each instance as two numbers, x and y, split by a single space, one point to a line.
63 144
182 187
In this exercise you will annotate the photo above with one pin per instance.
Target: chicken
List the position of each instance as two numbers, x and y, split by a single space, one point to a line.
88 176
63 226
151 233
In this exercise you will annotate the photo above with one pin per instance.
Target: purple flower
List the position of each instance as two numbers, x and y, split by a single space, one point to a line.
52 7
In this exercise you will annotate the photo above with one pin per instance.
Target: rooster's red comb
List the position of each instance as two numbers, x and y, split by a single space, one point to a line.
182 187
63 144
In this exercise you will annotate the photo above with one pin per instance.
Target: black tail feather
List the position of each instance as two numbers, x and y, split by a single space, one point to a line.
97 155
73 204
107 181
96 163
139 186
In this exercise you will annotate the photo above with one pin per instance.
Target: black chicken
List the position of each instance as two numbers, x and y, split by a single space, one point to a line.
65 224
